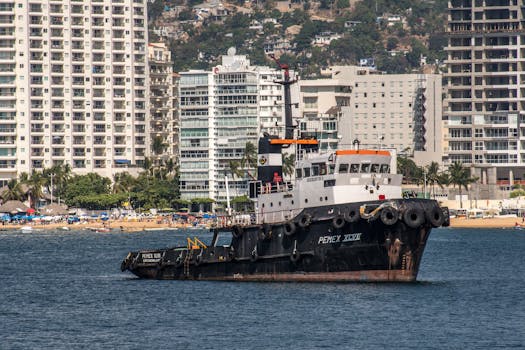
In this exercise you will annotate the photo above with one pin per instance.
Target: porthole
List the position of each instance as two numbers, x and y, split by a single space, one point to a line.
306 200
271 204
279 203
326 198
292 203
263 205
320 199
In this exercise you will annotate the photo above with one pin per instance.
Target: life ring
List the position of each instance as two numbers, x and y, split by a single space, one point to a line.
352 214
389 216
295 256
436 217
338 222
289 228
237 231
413 217
305 220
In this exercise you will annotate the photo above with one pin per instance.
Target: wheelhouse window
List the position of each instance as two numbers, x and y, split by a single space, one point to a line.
306 172
315 169
374 168
298 173
385 168
331 168
343 168
354 168
365 168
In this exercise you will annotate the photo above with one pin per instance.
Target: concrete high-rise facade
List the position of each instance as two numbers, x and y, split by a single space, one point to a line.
73 85
360 104
220 112
163 138
485 103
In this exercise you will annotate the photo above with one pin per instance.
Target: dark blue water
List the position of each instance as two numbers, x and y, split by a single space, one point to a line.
65 291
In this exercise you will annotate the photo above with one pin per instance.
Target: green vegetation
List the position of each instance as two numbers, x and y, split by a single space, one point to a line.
420 34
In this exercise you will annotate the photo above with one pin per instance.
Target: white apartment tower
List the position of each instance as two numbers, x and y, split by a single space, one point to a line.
365 106
73 85
220 112
163 139
485 80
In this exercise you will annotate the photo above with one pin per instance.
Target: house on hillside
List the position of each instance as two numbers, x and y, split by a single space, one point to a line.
325 38
213 10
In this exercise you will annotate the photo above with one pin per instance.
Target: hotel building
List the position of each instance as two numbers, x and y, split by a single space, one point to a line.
73 85
220 112
485 81
163 140
362 105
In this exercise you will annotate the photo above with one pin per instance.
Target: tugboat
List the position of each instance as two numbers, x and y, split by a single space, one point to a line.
342 219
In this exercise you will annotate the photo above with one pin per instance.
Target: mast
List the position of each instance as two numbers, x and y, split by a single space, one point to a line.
288 127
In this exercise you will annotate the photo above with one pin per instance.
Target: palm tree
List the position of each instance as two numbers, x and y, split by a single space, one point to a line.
36 183
432 172
288 164
170 166
460 176
249 158
158 145
235 170
123 182
13 191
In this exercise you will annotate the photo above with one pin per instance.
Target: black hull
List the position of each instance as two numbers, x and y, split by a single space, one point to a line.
335 247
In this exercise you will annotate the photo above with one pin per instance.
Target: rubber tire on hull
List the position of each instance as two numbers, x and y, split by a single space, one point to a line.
289 228
436 217
352 214
413 217
295 256
338 222
305 220
389 216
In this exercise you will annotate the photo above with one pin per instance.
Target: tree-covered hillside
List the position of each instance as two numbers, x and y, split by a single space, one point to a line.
396 33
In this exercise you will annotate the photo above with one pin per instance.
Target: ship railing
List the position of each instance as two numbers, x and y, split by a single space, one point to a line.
272 187
241 219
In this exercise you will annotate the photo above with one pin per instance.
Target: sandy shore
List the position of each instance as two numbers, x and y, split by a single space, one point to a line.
114 225
486 223
131 226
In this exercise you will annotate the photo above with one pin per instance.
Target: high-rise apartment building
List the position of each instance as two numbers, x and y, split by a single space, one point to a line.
365 106
220 112
485 104
163 138
73 85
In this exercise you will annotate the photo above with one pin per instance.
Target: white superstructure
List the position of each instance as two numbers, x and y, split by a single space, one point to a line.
73 85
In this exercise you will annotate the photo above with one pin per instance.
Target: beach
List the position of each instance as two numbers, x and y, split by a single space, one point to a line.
114 225
153 224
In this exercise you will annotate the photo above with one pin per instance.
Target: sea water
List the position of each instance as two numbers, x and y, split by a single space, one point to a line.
64 290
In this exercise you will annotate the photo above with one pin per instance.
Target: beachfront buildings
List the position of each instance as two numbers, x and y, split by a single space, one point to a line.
221 111
361 105
73 85
163 137
485 102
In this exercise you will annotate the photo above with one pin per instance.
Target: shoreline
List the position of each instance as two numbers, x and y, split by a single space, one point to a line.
134 226
115 226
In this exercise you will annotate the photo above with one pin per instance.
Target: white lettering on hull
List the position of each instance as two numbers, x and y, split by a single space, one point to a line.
348 237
